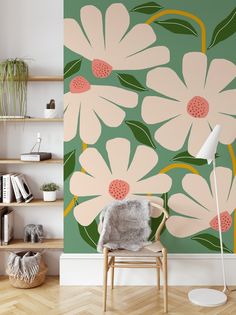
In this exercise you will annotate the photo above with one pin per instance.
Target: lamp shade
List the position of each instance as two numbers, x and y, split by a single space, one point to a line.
208 149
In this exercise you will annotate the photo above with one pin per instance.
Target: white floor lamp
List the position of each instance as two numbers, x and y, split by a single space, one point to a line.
209 297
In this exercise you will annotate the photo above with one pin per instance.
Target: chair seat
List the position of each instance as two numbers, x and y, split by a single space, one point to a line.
144 252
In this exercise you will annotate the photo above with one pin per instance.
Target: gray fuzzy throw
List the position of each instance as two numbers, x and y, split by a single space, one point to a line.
125 225
24 267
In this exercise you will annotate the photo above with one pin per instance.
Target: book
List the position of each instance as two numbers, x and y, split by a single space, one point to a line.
1 187
18 195
36 156
23 187
3 210
8 230
7 190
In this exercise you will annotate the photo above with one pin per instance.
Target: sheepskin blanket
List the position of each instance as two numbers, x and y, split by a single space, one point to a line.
125 225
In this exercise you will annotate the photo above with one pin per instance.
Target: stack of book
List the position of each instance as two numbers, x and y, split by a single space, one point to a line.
13 187
6 225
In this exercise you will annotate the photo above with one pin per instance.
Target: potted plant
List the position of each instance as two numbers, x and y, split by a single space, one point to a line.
13 88
49 191
50 110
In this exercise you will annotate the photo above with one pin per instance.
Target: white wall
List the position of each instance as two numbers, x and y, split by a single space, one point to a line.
183 269
33 29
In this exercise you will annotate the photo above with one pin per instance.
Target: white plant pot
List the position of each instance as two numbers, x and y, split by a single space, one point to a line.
50 113
49 195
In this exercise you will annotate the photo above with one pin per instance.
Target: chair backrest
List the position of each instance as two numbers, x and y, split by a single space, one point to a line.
165 217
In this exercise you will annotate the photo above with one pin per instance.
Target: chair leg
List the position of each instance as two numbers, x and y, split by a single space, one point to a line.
112 272
158 274
165 284
105 252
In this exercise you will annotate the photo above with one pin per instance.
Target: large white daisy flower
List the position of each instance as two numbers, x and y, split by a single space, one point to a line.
111 46
193 107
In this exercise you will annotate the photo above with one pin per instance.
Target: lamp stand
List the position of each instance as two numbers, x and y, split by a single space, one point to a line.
210 297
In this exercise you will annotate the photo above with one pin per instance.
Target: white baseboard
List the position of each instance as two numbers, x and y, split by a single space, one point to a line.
183 269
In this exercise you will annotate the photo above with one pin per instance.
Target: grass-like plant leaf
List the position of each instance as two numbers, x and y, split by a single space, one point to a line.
130 82
178 26
141 132
224 29
13 87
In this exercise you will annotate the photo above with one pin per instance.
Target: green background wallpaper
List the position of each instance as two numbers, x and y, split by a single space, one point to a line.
79 239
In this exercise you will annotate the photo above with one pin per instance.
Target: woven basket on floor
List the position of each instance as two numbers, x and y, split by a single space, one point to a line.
38 280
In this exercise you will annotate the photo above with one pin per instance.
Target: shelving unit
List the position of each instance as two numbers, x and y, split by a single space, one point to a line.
45 78
53 243
33 119
48 244
34 203
17 161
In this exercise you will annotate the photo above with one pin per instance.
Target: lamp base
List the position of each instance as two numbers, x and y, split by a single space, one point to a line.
207 297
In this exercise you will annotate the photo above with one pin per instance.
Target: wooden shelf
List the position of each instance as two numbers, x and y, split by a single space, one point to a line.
17 161
34 203
23 120
46 244
45 78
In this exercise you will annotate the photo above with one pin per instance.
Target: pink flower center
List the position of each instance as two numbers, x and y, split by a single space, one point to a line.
198 107
101 69
226 222
79 85
118 189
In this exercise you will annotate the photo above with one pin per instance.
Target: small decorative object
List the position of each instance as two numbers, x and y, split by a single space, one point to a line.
26 269
36 155
13 88
49 191
33 233
50 111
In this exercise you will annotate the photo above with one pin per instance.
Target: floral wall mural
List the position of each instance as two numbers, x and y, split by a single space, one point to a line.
145 83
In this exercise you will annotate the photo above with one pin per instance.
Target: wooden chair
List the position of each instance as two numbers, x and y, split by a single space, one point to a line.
157 260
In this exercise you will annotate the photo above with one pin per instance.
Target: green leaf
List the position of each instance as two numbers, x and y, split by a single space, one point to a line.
72 67
188 158
178 26
147 8
211 242
130 82
90 233
155 222
165 202
69 164
224 29
141 132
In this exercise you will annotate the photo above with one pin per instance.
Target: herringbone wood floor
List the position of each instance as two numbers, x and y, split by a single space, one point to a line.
51 299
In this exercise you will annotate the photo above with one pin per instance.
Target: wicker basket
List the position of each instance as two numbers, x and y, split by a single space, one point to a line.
38 280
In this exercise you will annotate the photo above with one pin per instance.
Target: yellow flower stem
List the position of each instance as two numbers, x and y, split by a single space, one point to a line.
186 14
179 165
233 159
71 204
84 147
